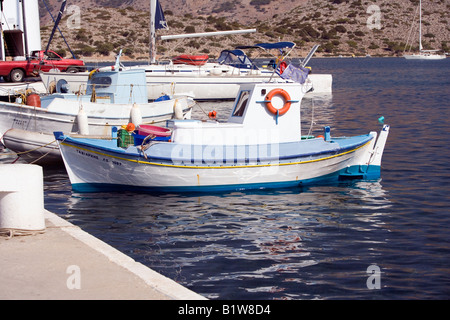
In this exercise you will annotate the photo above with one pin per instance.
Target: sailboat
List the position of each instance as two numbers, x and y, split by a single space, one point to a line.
205 80
423 54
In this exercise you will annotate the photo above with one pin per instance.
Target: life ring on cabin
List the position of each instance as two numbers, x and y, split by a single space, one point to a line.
283 66
286 105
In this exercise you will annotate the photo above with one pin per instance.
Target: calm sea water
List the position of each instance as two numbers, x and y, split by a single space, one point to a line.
315 242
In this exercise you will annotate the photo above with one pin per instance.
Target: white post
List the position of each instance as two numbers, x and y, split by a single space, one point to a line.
21 198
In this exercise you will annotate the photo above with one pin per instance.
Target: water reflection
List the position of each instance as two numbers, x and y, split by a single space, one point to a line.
201 241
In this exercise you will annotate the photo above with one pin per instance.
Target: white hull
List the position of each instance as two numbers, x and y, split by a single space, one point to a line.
202 86
425 57
33 147
62 115
221 87
119 172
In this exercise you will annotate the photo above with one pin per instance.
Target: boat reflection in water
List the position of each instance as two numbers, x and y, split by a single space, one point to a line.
252 243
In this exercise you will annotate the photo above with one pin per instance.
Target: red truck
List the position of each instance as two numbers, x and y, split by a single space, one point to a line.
16 71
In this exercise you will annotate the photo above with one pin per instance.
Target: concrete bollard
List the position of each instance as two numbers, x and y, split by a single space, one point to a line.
21 198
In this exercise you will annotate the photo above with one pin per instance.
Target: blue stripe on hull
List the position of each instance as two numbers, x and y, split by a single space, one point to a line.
354 172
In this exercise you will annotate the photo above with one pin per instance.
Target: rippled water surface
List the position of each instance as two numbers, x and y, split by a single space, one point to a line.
315 242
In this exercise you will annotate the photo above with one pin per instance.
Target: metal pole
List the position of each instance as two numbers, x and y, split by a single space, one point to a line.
25 36
207 34
152 47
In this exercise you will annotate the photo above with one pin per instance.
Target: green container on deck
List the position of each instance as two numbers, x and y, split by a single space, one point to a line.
124 139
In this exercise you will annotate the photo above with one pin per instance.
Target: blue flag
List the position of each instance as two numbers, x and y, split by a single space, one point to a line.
160 21
297 74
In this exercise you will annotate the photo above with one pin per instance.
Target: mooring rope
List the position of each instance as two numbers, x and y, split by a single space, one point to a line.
28 151
13 232
18 154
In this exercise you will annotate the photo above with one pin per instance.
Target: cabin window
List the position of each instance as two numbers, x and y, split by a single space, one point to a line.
241 103
101 82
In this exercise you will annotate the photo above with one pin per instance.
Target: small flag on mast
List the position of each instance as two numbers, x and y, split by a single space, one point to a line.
160 20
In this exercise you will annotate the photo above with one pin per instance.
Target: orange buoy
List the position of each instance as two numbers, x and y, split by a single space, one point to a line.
34 100
212 114
130 127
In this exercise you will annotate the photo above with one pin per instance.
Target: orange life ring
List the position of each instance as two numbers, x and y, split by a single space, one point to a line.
287 103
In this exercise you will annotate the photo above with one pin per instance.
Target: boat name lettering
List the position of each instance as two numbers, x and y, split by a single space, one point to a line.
87 154
20 122
96 157
116 163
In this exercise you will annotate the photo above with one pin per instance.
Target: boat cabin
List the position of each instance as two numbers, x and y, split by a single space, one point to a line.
263 113
116 87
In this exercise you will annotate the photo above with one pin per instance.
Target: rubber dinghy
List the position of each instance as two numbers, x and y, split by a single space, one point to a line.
260 146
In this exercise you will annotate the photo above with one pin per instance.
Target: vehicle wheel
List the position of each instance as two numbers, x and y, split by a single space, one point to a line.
72 70
16 75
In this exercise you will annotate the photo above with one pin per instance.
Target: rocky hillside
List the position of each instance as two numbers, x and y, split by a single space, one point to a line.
244 11
341 27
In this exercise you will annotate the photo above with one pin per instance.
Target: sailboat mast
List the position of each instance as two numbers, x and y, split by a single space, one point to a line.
152 47
24 29
420 25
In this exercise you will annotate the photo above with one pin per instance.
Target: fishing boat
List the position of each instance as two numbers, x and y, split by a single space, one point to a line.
206 80
423 54
113 97
259 147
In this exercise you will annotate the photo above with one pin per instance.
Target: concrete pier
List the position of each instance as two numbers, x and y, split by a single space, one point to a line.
66 263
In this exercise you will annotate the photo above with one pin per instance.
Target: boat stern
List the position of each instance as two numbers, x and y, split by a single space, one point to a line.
368 166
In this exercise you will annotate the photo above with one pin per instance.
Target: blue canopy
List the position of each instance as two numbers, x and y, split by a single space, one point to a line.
277 45
236 58
236 52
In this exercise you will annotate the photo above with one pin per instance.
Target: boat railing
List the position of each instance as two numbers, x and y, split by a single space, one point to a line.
14 93
5 92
